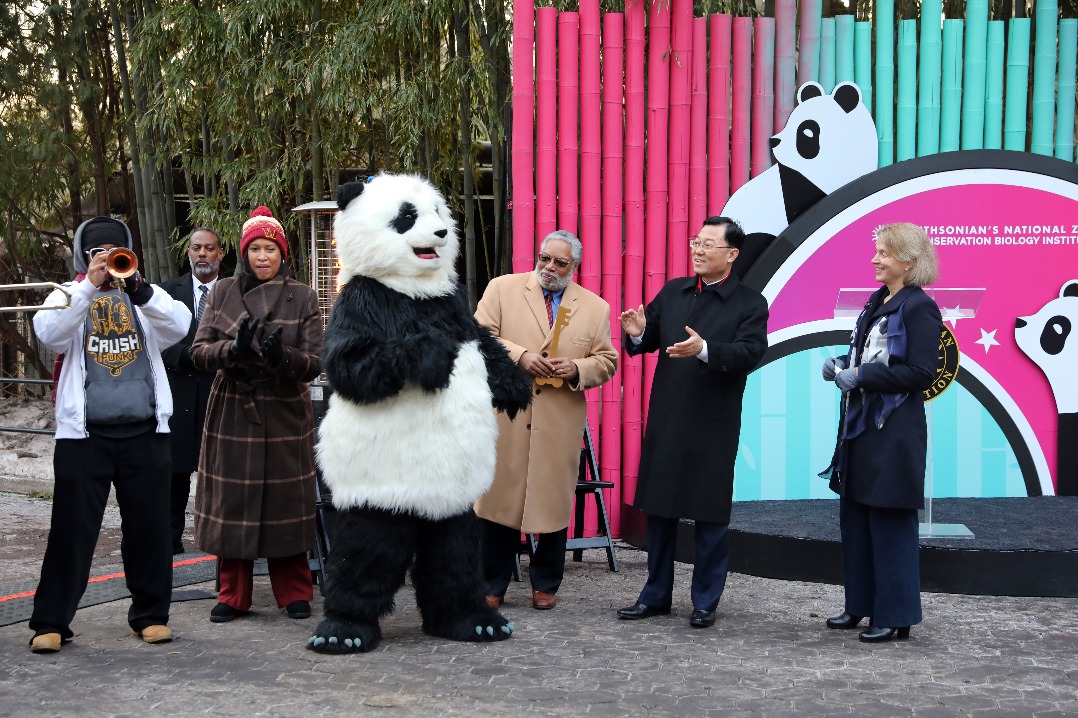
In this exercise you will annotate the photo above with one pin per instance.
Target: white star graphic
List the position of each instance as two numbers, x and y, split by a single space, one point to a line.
953 314
988 340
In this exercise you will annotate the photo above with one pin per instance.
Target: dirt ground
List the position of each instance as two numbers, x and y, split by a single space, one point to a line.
26 492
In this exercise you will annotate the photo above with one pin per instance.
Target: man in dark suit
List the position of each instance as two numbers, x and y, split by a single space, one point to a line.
190 387
710 331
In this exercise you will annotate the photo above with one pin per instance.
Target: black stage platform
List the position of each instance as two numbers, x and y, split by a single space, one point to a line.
1021 546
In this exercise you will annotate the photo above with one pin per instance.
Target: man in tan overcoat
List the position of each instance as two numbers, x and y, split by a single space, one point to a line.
539 451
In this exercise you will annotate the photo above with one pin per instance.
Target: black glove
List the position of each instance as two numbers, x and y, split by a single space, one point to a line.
185 360
241 346
272 349
139 291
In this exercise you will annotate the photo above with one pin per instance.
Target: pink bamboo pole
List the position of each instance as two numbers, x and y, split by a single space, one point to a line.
698 131
523 136
632 382
658 100
590 195
742 100
610 287
763 93
785 64
546 123
677 212
718 114
568 114
808 50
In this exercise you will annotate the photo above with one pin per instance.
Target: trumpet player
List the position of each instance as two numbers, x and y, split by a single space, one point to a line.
112 409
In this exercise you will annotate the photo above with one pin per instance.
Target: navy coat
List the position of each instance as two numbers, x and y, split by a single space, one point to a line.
694 416
885 466
190 387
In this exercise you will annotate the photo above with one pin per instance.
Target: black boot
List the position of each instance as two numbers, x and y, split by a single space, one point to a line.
846 620
875 634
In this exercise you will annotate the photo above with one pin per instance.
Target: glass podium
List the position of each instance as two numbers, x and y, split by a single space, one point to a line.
954 304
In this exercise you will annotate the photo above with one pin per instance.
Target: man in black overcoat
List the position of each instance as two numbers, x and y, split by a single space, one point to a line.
710 331
190 387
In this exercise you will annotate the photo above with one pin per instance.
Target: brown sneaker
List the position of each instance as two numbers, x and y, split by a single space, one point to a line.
46 643
155 634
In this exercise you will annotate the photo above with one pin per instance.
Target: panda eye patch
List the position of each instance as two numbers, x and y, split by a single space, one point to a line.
405 219
1055 334
808 139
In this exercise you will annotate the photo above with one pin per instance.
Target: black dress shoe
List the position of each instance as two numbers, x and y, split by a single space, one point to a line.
846 620
298 609
222 613
642 610
702 619
875 634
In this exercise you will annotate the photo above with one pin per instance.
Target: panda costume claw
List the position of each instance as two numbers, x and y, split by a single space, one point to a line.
407 444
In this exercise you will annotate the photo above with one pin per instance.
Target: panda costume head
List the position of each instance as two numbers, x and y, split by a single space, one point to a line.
400 232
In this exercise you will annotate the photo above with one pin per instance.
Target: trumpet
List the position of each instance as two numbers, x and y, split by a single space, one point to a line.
34 307
121 263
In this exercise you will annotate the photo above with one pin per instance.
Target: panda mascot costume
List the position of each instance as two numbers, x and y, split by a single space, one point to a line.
407 444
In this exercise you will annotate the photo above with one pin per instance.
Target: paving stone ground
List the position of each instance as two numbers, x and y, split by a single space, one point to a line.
768 655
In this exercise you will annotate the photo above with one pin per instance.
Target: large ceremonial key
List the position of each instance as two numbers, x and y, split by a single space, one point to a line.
560 322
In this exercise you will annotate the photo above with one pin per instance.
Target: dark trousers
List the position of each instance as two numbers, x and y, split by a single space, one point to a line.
500 546
881 563
84 471
711 563
180 495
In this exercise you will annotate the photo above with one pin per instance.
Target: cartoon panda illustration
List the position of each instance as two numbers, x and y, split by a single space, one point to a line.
408 442
828 141
1048 339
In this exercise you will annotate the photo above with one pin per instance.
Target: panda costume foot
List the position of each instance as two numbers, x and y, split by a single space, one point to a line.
482 625
337 637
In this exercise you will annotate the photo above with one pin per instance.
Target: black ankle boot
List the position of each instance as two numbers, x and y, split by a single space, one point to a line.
846 620
875 634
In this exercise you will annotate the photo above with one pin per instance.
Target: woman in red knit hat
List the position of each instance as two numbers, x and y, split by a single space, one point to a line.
262 333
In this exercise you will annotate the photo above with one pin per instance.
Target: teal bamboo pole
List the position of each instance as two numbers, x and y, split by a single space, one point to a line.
906 147
928 88
862 62
1044 78
885 80
1014 111
844 48
973 86
1068 58
951 86
993 87
827 54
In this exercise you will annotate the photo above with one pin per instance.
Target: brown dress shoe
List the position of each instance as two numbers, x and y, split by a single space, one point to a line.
46 643
543 601
494 601
155 634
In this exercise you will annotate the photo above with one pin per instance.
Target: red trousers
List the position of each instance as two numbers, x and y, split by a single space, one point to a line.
290 578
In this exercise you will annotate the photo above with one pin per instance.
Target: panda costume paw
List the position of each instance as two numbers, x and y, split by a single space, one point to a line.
482 624
337 637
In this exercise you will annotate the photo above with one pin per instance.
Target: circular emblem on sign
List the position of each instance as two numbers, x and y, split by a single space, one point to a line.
947 366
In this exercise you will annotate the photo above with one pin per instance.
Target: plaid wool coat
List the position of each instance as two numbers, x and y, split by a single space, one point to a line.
256 473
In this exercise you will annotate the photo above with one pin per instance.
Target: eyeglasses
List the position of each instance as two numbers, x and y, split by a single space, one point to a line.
94 251
695 244
560 261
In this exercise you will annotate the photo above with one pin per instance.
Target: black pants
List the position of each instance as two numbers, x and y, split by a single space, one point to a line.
711 563
139 467
501 545
180 495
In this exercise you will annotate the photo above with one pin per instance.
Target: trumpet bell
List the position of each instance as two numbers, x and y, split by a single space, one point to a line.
121 262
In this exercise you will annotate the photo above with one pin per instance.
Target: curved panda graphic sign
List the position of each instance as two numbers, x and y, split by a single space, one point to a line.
1004 222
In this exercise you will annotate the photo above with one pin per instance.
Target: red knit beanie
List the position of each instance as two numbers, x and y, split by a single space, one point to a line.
262 225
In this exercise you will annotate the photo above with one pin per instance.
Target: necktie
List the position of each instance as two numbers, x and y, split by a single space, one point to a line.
201 302
549 296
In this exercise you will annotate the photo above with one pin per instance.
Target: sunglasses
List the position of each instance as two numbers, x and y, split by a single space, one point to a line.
561 262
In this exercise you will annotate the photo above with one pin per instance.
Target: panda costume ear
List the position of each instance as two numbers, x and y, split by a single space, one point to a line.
808 91
848 96
1070 289
348 192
